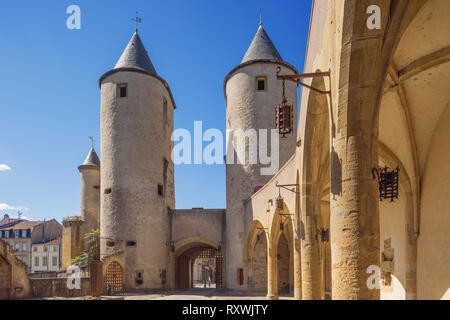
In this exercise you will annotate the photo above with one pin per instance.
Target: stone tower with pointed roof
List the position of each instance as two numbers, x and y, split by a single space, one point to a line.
90 192
252 92
137 175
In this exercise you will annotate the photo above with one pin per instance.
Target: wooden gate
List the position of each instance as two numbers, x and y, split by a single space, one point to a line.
114 276
183 273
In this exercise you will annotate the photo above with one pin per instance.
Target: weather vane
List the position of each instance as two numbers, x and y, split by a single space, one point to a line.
92 140
19 214
260 17
137 20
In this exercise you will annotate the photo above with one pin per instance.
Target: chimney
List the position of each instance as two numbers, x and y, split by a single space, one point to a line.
43 231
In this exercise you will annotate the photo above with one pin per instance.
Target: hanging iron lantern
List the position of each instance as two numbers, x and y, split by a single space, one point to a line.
387 182
279 203
284 115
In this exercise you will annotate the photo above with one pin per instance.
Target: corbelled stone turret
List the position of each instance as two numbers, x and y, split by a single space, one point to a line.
90 193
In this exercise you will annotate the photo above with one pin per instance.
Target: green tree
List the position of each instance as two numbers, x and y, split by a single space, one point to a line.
93 252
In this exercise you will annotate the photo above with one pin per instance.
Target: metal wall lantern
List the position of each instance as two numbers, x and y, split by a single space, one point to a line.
387 182
285 111
279 203
284 115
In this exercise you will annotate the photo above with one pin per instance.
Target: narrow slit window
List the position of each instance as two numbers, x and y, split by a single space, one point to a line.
165 120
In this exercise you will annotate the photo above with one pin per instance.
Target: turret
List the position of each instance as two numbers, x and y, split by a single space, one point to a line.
252 91
90 192
137 187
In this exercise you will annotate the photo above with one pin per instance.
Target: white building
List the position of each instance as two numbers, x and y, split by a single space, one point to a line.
46 256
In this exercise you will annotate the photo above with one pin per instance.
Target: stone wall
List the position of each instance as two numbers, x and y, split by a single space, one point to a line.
57 287
257 275
72 240
283 265
14 281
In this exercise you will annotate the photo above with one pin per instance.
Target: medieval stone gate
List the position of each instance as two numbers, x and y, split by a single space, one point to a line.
184 278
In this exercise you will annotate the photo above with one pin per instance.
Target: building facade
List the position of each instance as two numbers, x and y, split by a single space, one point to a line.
46 256
21 235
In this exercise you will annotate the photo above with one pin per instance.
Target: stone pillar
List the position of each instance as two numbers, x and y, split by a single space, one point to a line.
355 227
297 268
354 221
272 273
310 257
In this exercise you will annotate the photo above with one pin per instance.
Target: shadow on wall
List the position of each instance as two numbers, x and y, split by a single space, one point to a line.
336 174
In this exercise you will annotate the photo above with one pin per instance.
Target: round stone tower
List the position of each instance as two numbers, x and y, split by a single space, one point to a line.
90 192
252 91
137 175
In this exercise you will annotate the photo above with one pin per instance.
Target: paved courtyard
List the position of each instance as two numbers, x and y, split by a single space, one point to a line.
191 294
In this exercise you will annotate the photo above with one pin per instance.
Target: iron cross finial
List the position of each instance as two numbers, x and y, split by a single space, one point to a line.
260 17
137 20
92 140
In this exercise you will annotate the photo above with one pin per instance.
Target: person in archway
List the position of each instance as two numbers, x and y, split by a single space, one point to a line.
204 276
209 271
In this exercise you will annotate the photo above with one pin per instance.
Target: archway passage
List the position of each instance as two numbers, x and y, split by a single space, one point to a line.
198 264
5 278
283 260
114 276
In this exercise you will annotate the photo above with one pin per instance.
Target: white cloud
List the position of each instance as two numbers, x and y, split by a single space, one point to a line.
4 206
4 167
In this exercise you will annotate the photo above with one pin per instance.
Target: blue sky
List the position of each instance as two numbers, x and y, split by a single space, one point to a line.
50 98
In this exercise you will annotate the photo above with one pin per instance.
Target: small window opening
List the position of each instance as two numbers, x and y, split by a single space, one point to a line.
131 243
261 83
160 190
110 243
107 190
122 88
165 119
139 277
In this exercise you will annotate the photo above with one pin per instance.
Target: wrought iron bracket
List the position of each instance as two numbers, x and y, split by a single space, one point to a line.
285 186
296 78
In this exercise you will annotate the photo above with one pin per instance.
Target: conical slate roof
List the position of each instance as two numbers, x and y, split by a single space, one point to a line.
261 48
135 56
91 159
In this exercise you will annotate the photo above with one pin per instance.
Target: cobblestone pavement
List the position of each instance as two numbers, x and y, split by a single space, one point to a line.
191 294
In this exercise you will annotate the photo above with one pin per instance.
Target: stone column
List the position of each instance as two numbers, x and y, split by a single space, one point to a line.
310 257
272 273
354 222
297 267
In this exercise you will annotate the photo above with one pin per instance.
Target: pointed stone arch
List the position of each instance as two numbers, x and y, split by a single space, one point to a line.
280 265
